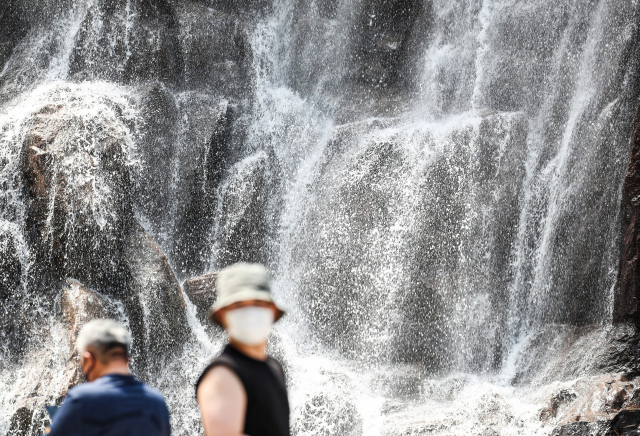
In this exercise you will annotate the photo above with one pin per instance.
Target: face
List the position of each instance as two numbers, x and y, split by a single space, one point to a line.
221 314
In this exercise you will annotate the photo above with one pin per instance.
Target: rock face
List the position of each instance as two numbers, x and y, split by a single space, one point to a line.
13 27
202 174
244 199
383 43
76 189
566 352
217 54
53 369
605 406
627 301
134 47
155 305
360 208
202 293
10 265
81 305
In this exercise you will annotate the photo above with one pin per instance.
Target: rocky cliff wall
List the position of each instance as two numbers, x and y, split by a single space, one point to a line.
437 186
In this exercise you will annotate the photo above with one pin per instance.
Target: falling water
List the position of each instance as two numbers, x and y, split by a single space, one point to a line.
435 185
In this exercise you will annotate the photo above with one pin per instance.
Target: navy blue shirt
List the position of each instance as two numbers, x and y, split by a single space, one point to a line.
113 405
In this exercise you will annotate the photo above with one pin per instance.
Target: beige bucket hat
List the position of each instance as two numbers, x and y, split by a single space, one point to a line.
242 282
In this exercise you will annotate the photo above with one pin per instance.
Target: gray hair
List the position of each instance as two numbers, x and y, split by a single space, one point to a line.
102 333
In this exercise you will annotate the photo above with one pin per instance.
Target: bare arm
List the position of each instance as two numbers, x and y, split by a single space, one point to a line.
223 403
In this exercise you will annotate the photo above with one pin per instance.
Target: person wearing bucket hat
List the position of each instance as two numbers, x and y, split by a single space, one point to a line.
243 391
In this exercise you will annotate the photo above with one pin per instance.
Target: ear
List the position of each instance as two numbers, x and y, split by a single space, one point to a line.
87 359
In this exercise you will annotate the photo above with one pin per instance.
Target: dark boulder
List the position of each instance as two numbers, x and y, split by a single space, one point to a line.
79 306
201 291
157 150
13 27
76 184
243 228
10 265
559 399
129 45
155 305
581 428
625 423
216 50
627 298
78 199
203 165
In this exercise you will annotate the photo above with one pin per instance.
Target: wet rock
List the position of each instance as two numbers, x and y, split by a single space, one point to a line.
202 293
581 429
21 422
598 398
76 194
10 265
324 414
243 227
217 53
604 405
80 216
566 352
560 399
344 221
154 309
155 305
80 305
360 207
13 27
184 148
50 370
381 46
129 43
203 165
158 149
627 298
626 423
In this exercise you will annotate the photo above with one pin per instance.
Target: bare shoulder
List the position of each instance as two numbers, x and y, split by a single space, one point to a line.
222 401
220 377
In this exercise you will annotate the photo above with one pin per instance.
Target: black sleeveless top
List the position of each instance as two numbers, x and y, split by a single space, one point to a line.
267 404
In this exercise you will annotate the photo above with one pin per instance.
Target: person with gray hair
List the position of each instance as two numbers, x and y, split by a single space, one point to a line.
113 402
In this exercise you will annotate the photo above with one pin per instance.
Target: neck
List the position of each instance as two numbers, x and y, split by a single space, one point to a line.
119 367
258 352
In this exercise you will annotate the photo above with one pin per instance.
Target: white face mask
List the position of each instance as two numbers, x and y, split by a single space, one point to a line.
250 325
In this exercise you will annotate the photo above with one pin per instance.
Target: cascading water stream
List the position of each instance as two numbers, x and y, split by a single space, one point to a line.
436 186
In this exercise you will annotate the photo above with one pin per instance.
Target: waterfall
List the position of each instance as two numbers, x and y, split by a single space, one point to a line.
435 184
